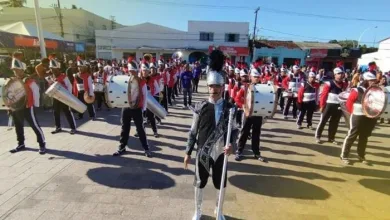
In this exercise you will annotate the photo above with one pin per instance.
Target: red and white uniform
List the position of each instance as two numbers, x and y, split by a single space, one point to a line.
308 92
239 98
82 83
64 81
330 92
32 90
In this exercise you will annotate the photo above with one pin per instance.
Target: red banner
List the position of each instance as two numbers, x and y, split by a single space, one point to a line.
235 51
22 41
318 53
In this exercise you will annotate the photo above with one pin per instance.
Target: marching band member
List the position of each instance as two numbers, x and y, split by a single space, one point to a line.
59 106
197 72
153 87
278 82
291 85
135 113
242 84
158 84
164 84
100 77
171 83
268 77
210 120
253 122
83 83
307 100
360 125
330 106
108 69
27 113
186 80
229 83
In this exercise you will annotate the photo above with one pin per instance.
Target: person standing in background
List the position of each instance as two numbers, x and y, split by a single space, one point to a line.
186 78
197 71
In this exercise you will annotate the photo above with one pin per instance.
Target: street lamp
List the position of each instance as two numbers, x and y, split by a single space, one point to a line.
361 35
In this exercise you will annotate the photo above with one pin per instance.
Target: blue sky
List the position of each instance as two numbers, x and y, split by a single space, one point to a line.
273 25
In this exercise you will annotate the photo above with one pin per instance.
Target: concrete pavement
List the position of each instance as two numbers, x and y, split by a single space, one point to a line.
79 179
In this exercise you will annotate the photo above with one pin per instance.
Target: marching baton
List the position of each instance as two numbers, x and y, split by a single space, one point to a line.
10 123
225 161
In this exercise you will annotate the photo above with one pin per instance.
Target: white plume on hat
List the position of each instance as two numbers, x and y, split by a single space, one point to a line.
244 72
283 69
369 76
17 64
54 64
337 70
255 72
295 67
132 66
312 74
237 71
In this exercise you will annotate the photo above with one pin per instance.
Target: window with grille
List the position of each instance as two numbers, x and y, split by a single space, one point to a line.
206 36
232 37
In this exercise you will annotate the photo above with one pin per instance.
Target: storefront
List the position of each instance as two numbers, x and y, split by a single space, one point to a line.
236 54
315 57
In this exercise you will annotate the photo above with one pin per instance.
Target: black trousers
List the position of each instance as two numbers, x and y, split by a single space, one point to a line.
195 84
100 99
136 115
202 176
333 113
170 95
280 98
360 126
239 116
164 101
61 107
290 101
254 123
27 114
90 107
175 92
307 108
151 118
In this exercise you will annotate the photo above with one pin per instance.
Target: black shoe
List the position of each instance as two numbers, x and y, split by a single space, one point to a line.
238 157
382 120
260 158
136 135
93 118
156 135
18 148
121 151
148 153
333 142
363 160
58 130
73 131
42 150
295 117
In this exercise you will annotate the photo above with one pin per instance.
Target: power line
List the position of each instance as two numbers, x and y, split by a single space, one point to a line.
265 9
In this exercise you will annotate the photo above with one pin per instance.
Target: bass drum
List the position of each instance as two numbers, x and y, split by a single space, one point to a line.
117 91
60 93
260 100
374 101
13 94
386 113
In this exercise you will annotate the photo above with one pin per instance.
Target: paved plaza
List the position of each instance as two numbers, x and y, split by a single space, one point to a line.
79 179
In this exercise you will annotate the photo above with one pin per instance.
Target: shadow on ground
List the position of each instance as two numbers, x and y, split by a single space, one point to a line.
378 185
280 187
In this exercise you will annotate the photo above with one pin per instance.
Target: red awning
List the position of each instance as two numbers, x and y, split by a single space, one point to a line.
235 51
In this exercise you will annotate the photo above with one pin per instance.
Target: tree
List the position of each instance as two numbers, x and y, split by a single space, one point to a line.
74 7
13 3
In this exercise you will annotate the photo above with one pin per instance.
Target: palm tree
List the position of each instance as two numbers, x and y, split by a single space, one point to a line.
13 3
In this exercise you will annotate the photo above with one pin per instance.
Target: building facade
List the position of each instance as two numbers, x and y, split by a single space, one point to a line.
192 45
78 25
381 57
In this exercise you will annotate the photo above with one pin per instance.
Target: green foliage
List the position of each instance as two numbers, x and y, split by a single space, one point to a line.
74 7
353 44
13 3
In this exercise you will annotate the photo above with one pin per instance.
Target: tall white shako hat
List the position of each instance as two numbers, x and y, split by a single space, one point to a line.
243 72
215 75
145 65
53 63
369 76
17 64
131 65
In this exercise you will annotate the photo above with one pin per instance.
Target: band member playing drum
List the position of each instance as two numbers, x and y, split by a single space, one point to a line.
137 101
307 100
253 123
59 106
27 112
83 84
360 125
210 120
291 85
99 79
330 106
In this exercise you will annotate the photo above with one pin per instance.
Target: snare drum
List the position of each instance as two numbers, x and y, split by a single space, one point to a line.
98 87
260 100
13 94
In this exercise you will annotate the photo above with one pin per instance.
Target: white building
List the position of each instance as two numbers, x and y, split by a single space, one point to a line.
78 24
194 44
381 57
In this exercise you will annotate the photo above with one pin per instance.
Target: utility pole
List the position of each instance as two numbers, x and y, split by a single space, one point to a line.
39 26
60 15
254 33
113 26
